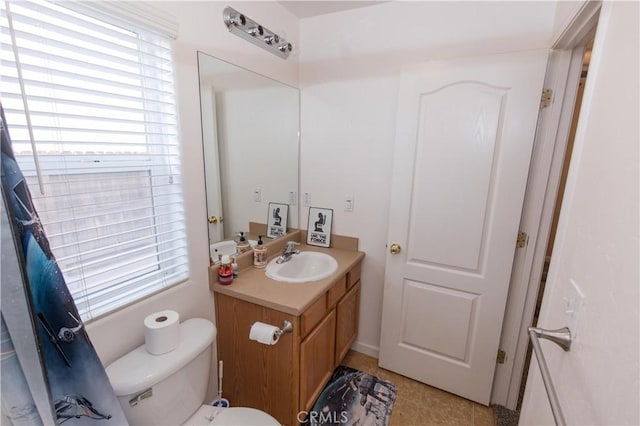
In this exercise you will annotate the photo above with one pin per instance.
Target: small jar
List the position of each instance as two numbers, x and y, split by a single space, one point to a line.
225 271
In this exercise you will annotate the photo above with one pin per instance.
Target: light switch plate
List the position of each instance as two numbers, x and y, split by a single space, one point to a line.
348 203
306 199
257 195
293 195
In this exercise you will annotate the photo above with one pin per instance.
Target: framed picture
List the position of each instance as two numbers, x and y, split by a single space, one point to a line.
319 227
277 220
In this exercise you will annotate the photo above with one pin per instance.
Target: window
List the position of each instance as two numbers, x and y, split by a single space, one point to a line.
90 108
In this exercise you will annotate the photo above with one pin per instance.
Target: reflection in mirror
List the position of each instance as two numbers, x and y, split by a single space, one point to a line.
250 131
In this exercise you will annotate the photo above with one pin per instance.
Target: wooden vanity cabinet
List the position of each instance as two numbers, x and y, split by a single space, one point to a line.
286 378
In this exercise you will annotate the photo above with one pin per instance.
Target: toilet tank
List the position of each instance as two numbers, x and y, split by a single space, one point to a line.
165 389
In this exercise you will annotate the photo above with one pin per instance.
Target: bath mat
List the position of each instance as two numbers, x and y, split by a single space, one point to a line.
353 397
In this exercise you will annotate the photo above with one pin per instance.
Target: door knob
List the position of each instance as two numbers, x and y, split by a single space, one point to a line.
214 219
395 248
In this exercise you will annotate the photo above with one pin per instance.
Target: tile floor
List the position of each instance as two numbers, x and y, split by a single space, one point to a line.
420 404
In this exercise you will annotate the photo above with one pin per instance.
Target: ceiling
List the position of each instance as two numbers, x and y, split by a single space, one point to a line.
306 9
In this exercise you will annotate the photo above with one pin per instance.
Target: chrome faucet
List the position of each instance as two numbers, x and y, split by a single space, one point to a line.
289 251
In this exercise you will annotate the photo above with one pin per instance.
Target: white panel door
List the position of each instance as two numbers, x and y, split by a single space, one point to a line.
465 131
211 158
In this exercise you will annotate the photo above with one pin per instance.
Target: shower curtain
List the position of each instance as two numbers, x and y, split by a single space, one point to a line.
77 389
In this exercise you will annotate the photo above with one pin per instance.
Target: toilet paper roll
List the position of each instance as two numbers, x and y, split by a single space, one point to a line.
162 332
264 333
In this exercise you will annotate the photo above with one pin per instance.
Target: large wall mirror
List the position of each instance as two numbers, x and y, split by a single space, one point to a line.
250 131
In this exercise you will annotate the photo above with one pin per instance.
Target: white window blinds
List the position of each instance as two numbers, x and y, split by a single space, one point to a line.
93 105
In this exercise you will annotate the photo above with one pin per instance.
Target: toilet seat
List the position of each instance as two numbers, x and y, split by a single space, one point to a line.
243 416
234 416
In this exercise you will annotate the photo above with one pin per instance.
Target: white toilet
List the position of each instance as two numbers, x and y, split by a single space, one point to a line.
169 389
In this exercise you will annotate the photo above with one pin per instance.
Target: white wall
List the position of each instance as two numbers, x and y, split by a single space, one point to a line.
566 10
201 28
597 243
349 68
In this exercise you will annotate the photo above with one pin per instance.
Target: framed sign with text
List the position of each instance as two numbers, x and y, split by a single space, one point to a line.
277 220
319 227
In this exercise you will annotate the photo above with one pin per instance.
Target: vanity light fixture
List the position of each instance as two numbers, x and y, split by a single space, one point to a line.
243 26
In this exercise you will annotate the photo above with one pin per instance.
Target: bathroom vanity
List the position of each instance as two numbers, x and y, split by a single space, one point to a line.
286 378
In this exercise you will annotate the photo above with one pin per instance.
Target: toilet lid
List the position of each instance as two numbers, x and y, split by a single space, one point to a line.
243 416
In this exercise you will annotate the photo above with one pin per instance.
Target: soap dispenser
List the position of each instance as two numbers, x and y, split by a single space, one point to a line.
260 254
242 245
234 267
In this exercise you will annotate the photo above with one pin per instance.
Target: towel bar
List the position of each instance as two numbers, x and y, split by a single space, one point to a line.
562 338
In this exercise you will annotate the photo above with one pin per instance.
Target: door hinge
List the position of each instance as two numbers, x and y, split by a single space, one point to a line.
502 356
522 240
547 96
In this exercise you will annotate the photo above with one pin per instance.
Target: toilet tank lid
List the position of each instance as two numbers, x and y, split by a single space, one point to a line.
139 370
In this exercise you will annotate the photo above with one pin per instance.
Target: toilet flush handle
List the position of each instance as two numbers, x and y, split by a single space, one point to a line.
147 393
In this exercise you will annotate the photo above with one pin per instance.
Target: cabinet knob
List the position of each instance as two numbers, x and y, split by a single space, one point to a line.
395 248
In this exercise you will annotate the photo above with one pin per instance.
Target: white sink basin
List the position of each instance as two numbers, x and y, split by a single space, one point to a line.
303 267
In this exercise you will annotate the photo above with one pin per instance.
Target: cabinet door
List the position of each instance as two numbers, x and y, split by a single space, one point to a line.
347 314
257 375
316 360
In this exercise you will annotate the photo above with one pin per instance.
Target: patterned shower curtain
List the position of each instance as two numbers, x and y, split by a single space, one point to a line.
78 389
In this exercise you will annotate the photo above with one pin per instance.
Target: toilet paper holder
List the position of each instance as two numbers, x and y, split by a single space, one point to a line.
287 327
268 334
